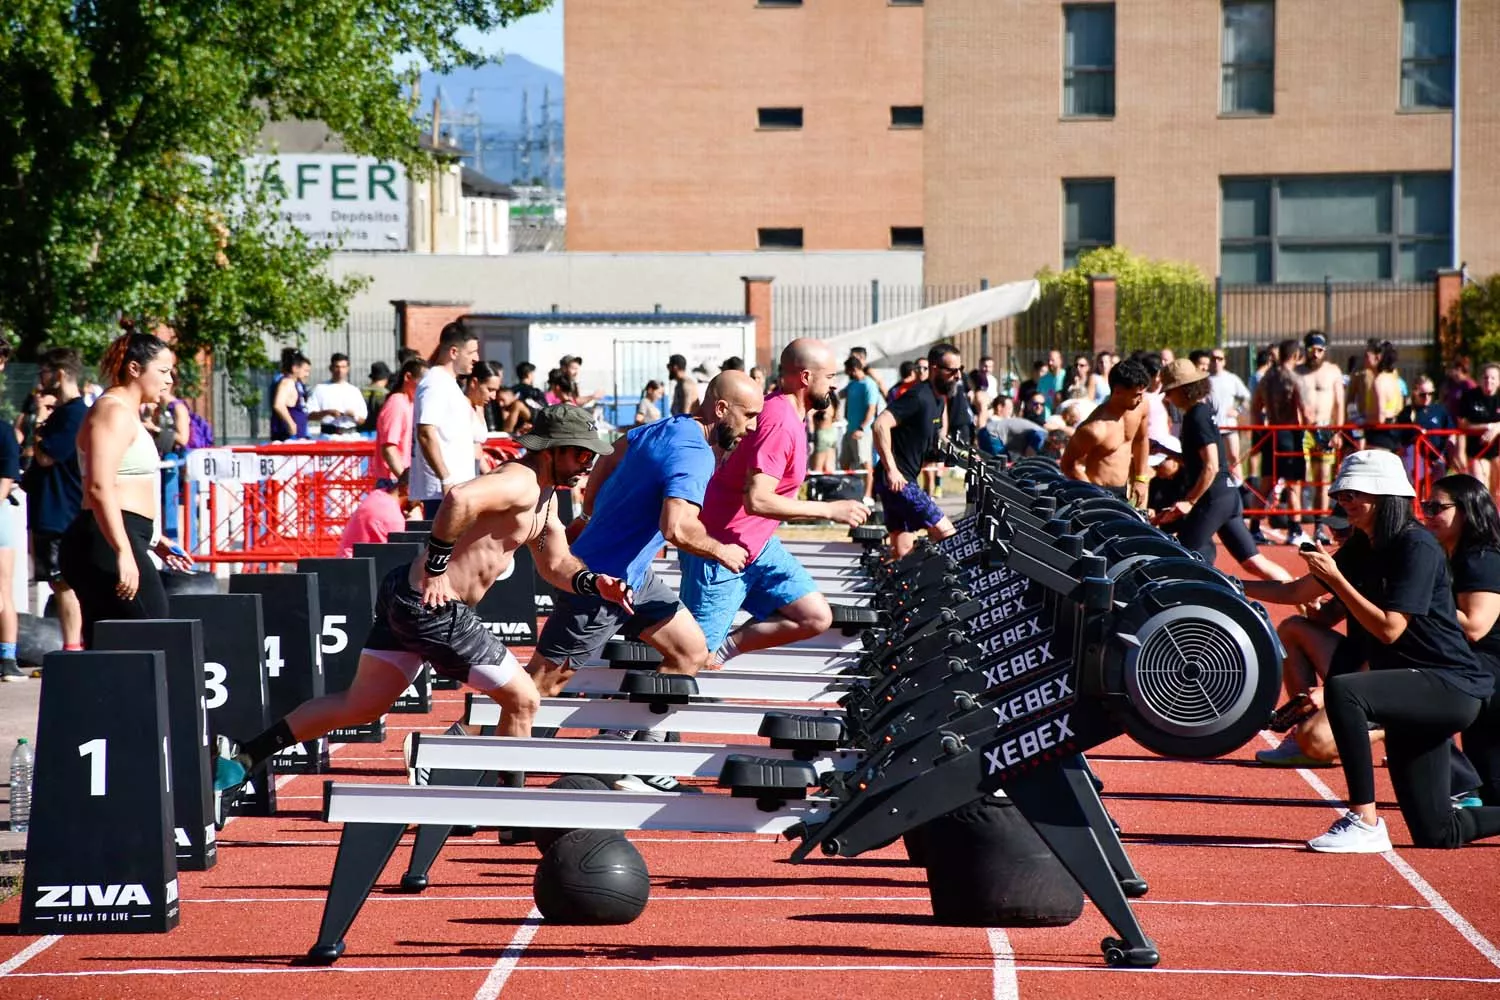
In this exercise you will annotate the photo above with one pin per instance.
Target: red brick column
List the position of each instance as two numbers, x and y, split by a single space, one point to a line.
420 323
1450 284
1102 312
758 304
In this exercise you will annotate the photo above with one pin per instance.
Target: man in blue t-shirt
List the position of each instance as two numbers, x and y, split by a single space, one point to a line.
54 483
649 491
860 397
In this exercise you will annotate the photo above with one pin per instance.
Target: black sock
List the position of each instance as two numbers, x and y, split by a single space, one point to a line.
268 744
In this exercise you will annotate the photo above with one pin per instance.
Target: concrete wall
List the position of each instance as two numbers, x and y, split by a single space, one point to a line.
584 282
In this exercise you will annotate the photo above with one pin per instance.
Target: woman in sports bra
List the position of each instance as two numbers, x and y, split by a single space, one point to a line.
104 554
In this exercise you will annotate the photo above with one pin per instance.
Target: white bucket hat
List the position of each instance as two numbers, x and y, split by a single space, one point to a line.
1378 473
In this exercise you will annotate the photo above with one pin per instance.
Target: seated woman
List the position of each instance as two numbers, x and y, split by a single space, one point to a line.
1461 515
1424 682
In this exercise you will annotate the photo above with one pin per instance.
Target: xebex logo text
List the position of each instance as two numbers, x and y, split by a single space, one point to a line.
986 620
1018 665
1030 701
1029 744
75 896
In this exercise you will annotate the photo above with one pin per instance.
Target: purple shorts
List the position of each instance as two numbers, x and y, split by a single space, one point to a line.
910 510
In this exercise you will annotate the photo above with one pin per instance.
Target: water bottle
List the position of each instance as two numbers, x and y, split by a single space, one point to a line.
21 763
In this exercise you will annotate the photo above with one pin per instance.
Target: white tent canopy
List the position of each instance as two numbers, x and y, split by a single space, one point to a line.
913 333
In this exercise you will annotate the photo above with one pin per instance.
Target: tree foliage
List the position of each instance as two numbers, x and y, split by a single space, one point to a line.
1158 303
122 122
1478 326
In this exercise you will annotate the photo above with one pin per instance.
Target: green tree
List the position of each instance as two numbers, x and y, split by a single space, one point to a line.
1478 326
122 127
1158 303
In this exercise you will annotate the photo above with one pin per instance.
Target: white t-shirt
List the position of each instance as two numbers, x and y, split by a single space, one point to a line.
344 397
441 403
1228 394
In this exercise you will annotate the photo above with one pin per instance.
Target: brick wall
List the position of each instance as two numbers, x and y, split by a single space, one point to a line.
421 322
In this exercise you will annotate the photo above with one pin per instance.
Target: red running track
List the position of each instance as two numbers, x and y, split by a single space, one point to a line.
1236 906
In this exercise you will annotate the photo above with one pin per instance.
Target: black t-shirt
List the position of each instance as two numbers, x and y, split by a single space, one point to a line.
1410 575
1478 408
960 418
10 457
1200 431
530 395
1474 571
919 417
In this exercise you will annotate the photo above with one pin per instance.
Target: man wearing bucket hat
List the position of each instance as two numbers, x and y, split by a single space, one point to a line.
1424 684
424 612
1208 505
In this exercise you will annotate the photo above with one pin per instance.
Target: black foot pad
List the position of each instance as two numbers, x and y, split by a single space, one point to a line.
658 689
802 732
766 777
325 954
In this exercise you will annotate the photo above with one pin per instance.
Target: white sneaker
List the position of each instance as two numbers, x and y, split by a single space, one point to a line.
1350 835
1296 540
1288 754
652 783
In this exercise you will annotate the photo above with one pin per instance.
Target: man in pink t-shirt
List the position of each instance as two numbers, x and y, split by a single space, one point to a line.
382 511
393 423
750 495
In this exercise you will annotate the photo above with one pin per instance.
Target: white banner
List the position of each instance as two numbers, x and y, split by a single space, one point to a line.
358 202
915 332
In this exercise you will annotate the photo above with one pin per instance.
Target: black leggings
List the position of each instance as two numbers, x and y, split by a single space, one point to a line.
1419 713
89 565
1218 511
1482 747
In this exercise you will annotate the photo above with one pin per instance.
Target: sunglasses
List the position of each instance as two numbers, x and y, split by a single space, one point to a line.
1345 496
1432 508
1219 358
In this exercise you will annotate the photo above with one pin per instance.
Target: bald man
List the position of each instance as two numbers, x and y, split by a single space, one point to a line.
650 489
748 498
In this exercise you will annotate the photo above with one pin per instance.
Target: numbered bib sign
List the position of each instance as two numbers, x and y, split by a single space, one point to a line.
99 858
234 679
508 608
293 655
346 593
181 644
207 465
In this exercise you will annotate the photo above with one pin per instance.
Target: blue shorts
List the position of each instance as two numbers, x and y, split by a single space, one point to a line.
910 510
714 595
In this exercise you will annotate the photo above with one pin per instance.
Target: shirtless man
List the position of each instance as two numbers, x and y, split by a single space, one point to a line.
424 612
1320 403
1111 447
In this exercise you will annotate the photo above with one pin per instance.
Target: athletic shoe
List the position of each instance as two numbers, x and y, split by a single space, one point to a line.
1288 754
1323 536
653 783
12 674
229 773
1468 800
1350 835
1259 537
1297 538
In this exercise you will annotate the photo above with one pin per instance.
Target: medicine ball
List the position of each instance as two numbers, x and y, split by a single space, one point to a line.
545 837
591 877
987 867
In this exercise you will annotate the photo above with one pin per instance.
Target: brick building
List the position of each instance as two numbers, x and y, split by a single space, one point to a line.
706 125
1265 141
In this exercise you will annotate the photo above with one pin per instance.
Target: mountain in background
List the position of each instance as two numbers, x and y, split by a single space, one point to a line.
484 106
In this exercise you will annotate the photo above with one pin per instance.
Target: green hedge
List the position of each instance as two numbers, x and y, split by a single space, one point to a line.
1158 303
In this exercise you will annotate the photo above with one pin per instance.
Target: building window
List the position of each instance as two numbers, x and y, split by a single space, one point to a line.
778 3
905 3
1088 217
1427 53
779 118
1249 57
1347 228
906 237
906 116
1089 60
779 239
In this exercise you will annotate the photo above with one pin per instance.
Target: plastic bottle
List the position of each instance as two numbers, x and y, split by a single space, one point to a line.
21 764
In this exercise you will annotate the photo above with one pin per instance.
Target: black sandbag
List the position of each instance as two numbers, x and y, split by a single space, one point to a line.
986 867
35 638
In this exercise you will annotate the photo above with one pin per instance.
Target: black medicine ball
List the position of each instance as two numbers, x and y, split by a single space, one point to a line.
591 877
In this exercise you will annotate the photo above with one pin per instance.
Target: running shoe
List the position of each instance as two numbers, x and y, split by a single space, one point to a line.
1351 835
12 674
652 783
1288 754
1468 800
229 773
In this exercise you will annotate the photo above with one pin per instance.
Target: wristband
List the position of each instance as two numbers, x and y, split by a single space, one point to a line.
586 583
438 554
1140 479
583 517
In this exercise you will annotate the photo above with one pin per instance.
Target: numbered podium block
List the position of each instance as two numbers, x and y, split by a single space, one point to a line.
99 858
509 607
407 537
346 593
417 698
234 679
181 644
294 661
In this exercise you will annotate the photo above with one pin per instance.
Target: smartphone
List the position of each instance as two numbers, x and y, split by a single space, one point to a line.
1293 712
1307 547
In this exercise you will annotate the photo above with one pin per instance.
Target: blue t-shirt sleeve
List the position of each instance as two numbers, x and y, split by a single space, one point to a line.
688 469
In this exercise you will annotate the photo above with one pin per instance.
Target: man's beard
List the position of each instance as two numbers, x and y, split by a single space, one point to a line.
822 402
724 437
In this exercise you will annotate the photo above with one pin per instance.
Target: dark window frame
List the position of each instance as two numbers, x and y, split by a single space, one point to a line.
788 243
1424 63
907 238
778 3
762 124
919 119
1072 71
1226 69
1075 248
1394 241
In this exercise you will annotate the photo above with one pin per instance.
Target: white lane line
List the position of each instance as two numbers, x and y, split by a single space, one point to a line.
1470 933
1004 969
616 967
29 952
510 957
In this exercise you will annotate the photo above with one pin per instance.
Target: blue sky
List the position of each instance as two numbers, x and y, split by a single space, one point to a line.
538 37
